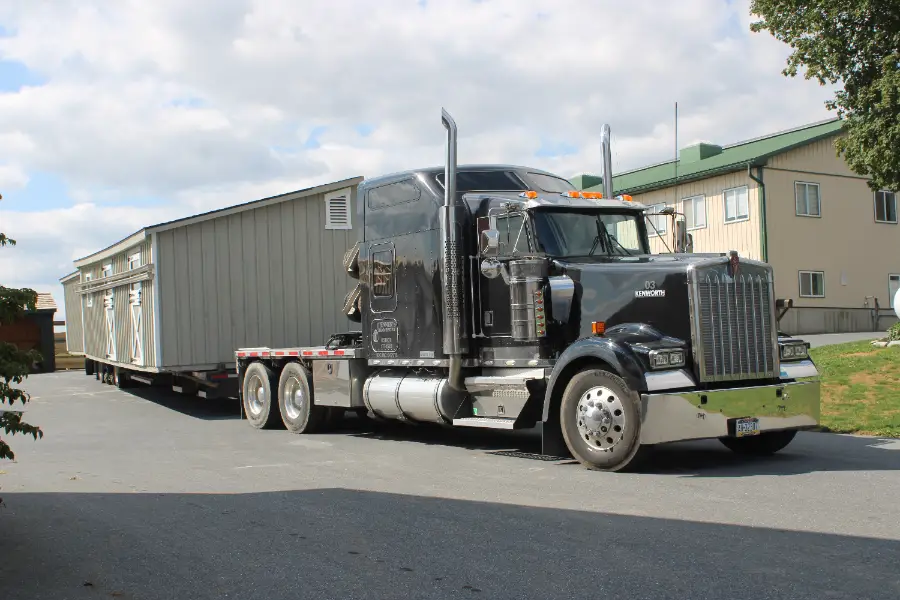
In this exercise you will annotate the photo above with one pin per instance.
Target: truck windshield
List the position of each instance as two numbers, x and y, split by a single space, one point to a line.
569 233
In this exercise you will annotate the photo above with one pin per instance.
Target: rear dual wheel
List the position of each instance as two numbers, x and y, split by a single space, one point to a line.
600 419
287 400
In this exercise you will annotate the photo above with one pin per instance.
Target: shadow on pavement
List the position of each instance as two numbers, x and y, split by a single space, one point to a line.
339 543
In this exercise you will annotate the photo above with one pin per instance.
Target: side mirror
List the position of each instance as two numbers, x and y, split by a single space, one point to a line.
684 242
490 242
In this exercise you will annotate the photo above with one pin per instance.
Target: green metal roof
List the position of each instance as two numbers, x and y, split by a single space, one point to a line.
705 160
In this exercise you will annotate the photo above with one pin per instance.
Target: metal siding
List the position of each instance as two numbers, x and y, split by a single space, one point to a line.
74 329
304 325
168 298
223 283
289 271
274 268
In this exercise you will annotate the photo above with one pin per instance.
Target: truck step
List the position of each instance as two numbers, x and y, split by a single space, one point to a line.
487 422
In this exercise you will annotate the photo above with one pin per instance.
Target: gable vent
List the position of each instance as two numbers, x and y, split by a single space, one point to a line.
337 210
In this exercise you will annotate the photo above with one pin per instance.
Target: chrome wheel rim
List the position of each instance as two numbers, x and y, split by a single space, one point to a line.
600 416
294 398
256 395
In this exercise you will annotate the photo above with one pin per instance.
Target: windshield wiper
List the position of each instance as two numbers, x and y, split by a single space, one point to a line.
608 239
600 230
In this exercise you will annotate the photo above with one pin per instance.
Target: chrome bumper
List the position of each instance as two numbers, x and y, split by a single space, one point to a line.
690 415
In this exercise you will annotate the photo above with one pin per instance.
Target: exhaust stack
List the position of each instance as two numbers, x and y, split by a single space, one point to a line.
607 162
451 268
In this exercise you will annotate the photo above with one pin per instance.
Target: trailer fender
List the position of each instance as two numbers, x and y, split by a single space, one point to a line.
613 354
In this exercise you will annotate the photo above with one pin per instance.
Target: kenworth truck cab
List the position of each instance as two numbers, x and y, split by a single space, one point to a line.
499 297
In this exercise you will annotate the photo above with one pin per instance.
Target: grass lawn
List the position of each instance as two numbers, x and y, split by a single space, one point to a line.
860 388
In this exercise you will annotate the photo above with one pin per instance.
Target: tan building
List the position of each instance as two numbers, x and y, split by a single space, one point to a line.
789 200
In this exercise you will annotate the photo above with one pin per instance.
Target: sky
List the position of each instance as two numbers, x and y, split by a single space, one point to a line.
119 114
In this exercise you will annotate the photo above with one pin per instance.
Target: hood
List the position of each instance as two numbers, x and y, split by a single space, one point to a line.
649 289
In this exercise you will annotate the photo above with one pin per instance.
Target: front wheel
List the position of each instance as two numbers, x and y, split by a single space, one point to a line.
601 420
764 444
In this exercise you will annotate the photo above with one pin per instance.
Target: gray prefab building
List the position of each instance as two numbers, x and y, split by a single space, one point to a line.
182 295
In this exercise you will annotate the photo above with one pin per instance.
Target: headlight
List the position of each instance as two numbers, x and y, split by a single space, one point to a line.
667 359
794 350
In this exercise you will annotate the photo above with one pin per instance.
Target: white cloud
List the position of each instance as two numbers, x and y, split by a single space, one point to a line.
209 103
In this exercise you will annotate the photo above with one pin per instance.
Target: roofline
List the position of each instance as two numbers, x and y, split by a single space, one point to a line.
70 276
439 169
743 142
254 204
141 235
120 246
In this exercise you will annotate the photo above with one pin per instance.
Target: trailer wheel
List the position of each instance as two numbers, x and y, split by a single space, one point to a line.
259 405
295 399
767 442
88 367
600 420
120 378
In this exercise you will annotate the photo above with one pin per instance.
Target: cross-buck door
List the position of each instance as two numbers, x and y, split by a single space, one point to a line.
110 310
137 349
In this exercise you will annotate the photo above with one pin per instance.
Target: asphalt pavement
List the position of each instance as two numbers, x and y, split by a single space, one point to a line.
147 494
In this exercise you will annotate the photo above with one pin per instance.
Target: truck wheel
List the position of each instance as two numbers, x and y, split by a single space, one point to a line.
601 421
295 399
259 385
120 378
88 367
767 442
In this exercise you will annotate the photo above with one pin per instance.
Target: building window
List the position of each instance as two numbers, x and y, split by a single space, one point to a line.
658 221
383 274
337 210
806 199
737 206
107 270
694 210
885 207
812 284
893 286
134 261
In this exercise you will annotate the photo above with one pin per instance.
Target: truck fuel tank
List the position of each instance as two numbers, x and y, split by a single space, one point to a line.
416 397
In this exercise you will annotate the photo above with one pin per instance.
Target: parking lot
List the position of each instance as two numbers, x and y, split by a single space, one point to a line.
147 494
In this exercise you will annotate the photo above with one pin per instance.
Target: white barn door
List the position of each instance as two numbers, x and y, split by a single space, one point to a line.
137 350
110 310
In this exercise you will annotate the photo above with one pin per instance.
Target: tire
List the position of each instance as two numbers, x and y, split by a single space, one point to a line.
120 378
257 396
610 450
764 444
88 367
295 400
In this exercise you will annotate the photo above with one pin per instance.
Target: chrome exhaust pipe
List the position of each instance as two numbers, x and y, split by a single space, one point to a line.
451 267
607 162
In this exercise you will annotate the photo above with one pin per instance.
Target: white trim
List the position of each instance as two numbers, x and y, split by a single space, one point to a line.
739 218
890 292
800 275
875 207
134 261
154 292
693 201
818 195
347 195
89 296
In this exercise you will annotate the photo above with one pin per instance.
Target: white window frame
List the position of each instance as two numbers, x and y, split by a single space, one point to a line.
694 201
134 261
88 298
800 284
892 277
107 270
797 185
136 313
739 218
109 309
875 206
655 208
331 196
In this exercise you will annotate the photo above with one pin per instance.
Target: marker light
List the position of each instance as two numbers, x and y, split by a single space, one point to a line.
530 194
598 327
571 194
592 195
627 198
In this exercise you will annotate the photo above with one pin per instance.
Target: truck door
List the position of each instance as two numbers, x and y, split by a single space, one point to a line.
514 241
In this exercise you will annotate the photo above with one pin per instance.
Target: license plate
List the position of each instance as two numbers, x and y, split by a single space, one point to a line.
745 427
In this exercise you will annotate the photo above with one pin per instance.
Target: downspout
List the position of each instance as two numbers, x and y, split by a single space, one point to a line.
763 234
454 343
607 162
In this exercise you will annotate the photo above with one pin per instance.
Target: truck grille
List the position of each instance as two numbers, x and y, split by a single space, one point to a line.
733 324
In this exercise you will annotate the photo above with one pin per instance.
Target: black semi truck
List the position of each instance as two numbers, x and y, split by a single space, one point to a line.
501 297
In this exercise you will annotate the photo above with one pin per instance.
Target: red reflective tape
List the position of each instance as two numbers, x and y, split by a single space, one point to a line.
253 354
279 354
241 354
323 352
293 353
338 352
307 353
